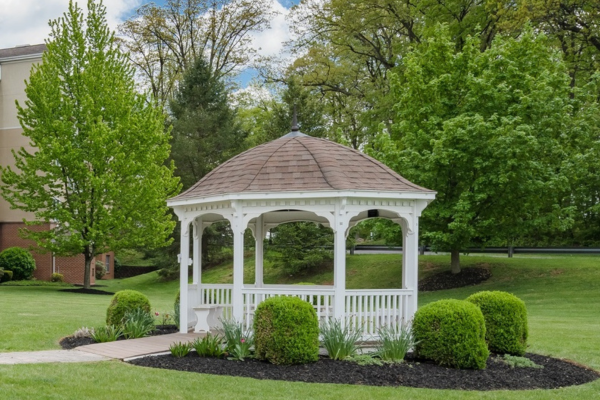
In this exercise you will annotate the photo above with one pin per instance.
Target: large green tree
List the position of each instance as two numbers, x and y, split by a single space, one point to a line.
97 173
491 132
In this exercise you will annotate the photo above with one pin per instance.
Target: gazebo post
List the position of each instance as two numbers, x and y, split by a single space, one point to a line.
197 252
183 276
410 261
237 297
339 263
259 235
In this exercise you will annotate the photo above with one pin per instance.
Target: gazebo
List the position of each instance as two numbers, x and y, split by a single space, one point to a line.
299 178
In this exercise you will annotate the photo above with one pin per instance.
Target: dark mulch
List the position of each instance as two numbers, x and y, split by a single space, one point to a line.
497 376
448 280
85 291
71 342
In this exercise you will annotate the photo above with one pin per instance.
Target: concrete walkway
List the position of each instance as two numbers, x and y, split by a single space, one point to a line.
124 349
120 350
49 356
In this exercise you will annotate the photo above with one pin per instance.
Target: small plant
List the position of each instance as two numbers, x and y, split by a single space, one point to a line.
123 301
108 333
365 359
84 332
57 278
340 340
520 362
137 323
395 342
176 310
165 318
179 349
238 342
19 261
209 346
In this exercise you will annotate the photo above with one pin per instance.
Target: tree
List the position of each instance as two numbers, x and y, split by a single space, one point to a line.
490 131
205 130
164 41
97 172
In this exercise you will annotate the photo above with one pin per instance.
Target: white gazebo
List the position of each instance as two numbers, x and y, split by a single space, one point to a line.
300 178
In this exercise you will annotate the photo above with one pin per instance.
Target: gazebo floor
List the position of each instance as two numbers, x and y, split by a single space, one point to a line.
125 349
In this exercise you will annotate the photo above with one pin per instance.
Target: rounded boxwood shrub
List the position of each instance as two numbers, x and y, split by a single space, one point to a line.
505 321
19 261
451 333
123 301
286 331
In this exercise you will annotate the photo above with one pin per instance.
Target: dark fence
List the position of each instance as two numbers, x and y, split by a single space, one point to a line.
127 271
496 250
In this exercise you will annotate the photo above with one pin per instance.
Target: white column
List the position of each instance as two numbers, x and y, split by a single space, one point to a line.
339 262
237 297
183 276
411 265
197 253
259 236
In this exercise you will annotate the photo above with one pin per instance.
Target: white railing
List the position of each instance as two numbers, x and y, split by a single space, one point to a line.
217 294
369 310
320 297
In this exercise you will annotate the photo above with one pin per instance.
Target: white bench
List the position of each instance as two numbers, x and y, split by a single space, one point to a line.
208 316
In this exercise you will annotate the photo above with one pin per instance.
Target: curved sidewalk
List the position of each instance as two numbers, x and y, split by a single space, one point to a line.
120 350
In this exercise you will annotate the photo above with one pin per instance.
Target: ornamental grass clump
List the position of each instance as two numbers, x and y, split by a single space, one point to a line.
395 342
451 333
137 323
286 331
505 321
108 333
339 339
180 349
209 346
123 301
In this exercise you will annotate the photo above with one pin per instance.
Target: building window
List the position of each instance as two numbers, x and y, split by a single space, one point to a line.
107 263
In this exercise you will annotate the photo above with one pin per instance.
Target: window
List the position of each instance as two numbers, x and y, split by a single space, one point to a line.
107 263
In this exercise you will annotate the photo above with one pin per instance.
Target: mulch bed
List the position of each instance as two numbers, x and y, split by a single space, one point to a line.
86 291
70 342
447 280
497 376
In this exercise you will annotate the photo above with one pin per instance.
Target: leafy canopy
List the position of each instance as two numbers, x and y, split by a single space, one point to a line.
97 171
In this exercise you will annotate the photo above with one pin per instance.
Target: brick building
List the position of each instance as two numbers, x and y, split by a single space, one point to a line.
15 66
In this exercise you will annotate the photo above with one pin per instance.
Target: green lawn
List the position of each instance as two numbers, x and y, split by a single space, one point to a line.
562 295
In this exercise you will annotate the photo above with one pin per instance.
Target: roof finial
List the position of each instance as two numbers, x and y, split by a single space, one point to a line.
295 121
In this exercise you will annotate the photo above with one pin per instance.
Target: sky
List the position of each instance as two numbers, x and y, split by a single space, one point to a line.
26 22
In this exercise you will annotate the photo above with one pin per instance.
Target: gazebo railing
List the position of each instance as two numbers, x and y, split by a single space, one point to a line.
368 310
365 309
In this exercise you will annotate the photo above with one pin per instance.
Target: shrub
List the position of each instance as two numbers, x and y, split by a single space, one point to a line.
100 270
7 276
19 261
339 340
505 321
57 278
286 331
451 333
123 301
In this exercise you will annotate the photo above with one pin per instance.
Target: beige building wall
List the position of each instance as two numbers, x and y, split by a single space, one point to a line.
12 88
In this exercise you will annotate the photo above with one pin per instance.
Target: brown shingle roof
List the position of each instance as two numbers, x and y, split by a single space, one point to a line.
22 51
297 162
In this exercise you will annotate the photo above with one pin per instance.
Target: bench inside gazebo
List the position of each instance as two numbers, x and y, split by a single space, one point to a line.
298 178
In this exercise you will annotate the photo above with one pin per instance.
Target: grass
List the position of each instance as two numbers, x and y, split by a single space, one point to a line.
562 295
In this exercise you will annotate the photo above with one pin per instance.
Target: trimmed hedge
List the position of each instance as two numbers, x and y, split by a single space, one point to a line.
123 301
19 261
57 278
451 333
505 321
286 331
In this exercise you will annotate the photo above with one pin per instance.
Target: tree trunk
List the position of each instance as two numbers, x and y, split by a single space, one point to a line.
86 271
455 261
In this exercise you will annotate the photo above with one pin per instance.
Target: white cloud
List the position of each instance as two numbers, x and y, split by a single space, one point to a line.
26 21
270 42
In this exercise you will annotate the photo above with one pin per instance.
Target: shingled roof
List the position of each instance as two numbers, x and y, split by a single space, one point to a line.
298 163
22 51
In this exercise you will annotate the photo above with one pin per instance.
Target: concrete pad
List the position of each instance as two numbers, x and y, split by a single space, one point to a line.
49 356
